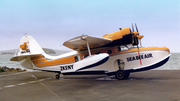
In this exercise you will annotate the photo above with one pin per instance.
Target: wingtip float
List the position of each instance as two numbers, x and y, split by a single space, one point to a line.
116 54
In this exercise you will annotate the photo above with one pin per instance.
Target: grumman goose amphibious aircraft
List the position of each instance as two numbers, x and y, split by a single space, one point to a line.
116 54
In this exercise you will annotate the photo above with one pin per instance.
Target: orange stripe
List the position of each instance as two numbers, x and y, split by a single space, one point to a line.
114 52
38 57
145 49
42 60
57 62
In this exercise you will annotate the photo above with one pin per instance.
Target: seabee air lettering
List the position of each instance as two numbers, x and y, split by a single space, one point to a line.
66 67
144 56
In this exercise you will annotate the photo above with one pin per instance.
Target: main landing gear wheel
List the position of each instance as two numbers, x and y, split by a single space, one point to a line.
57 76
120 75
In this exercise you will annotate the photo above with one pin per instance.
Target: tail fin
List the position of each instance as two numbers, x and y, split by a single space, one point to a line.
28 45
28 48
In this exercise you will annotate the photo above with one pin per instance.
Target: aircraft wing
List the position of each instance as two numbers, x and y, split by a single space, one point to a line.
80 43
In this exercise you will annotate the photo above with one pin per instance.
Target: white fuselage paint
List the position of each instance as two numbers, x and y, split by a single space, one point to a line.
147 58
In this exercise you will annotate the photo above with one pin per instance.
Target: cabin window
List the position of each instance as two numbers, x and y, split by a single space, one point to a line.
109 51
123 48
77 58
98 53
118 49
85 56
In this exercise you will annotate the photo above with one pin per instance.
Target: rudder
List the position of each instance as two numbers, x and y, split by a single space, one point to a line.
28 48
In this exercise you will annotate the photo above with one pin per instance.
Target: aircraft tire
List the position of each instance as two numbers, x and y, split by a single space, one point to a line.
120 75
57 76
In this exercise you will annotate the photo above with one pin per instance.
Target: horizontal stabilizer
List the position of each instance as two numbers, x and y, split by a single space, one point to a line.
22 57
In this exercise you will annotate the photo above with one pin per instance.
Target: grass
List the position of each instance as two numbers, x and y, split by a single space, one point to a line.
6 69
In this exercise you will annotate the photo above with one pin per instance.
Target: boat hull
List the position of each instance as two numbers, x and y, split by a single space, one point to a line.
134 60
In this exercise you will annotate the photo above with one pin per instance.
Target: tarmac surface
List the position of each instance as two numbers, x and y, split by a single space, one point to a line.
155 85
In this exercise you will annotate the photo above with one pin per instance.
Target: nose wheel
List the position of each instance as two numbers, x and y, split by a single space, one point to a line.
57 76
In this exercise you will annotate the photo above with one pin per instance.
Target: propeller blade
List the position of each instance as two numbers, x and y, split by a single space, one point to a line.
132 27
137 45
136 28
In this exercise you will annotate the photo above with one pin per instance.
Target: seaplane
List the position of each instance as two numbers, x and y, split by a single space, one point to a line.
119 53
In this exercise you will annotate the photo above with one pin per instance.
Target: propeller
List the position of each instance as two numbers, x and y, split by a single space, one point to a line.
132 27
135 34
139 36
136 40
136 28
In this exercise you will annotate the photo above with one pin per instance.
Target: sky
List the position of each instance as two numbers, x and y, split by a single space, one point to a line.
52 22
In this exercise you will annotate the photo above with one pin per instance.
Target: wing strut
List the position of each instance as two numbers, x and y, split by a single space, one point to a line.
88 48
87 45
